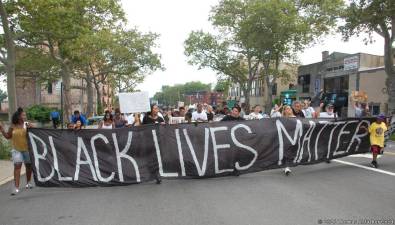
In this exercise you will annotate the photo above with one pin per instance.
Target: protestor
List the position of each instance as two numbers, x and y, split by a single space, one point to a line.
329 112
78 125
168 116
308 111
107 122
55 118
256 113
288 113
376 131
153 118
180 113
188 116
361 111
210 113
77 116
119 120
18 134
234 114
199 115
275 112
225 111
70 126
297 109
137 120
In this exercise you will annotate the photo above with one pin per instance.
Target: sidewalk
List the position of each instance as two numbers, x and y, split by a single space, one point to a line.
7 171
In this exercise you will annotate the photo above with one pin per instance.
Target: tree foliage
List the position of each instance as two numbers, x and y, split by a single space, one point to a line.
375 16
169 95
85 39
254 36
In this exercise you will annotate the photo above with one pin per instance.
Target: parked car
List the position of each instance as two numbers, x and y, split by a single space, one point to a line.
94 120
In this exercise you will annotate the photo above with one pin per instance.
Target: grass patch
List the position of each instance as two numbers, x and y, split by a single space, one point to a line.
5 148
392 137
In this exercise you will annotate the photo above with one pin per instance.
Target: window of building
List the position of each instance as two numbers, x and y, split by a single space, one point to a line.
304 82
49 87
374 109
274 89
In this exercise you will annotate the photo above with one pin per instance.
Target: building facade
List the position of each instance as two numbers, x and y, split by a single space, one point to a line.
340 74
259 92
30 91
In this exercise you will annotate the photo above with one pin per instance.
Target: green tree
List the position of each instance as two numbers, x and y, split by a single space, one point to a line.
169 95
256 35
375 16
8 51
3 95
54 26
118 57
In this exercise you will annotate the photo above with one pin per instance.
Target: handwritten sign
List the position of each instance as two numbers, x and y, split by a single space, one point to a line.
134 102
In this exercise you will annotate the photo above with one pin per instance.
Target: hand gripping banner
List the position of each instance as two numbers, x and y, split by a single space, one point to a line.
133 155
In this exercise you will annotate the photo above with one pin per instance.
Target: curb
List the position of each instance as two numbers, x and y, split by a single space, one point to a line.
10 178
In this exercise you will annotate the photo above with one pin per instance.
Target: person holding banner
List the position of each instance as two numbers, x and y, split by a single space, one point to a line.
199 115
256 114
107 121
234 114
153 117
20 154
119 120
288 113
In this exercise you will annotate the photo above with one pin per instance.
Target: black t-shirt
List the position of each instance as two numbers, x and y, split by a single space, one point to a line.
149 120
231 118
299 114
210 116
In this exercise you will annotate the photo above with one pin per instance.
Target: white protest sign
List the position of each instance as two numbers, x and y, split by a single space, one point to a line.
134 102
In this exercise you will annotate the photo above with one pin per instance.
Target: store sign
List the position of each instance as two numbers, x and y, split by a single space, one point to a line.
351 63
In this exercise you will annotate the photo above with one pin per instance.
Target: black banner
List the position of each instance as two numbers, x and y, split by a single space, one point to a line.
139 154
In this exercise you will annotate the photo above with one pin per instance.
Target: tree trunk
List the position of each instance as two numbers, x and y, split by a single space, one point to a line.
269 98
98 99
67 104
89 94
390 70
10 61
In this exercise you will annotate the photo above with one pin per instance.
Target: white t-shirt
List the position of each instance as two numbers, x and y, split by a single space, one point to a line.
255 116
199 116
130 119
308 113
274 114
326 115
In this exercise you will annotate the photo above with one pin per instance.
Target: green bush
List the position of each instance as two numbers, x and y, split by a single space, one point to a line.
39 113
5 148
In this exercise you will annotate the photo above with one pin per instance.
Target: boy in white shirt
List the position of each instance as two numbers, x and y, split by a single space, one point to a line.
199 115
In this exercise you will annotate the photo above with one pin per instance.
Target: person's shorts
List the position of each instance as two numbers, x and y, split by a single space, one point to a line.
20 157
375 149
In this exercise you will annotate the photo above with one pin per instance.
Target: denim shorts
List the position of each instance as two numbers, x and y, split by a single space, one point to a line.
20 157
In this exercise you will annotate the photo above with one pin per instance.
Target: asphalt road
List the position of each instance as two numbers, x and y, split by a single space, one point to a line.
333 193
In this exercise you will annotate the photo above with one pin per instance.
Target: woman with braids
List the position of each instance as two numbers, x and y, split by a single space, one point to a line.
20 154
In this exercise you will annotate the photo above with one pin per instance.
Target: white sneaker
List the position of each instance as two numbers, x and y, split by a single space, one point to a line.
29 185
287 171
15 191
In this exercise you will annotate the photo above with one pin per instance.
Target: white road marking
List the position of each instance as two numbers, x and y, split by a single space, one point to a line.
366 155
365 167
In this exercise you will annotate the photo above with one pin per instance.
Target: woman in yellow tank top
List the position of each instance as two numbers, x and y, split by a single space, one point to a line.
20 154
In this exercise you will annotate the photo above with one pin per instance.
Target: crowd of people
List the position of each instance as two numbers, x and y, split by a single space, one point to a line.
17 131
